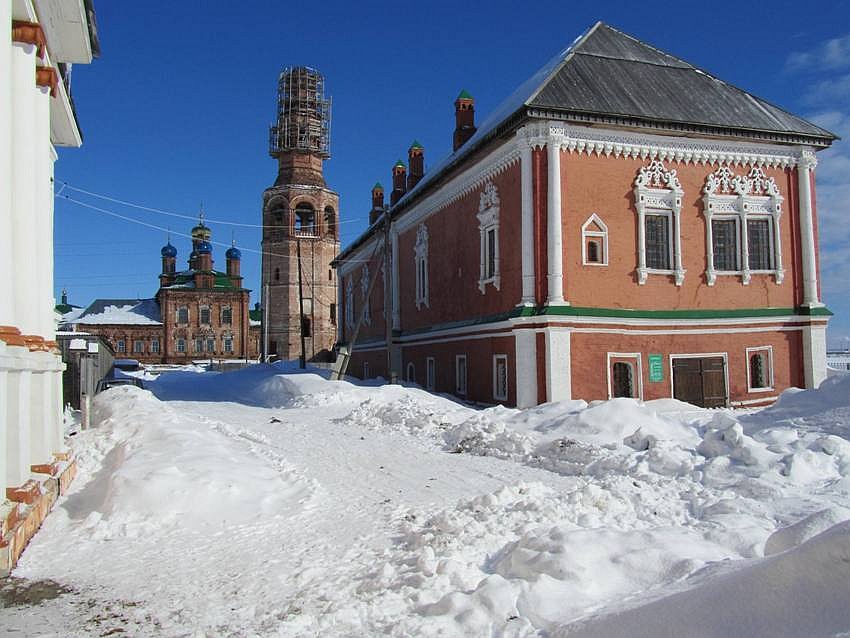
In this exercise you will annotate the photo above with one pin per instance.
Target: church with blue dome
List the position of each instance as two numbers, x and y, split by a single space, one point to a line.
198 313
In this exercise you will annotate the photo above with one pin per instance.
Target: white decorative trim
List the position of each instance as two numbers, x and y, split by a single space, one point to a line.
602 234
807 163
554 223
525 373
527 229
768 371
349 302
754 196
500 396
658 191
364 290
488 219
638 372
420 264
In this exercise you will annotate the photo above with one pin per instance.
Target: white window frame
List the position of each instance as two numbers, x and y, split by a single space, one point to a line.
420 252
461 380
223 310
181 345
751 197
632 357
121 345
155 346
207 342
768 350
177 315
658 192
430 373
141 346
227 344
601 235
500 394
488 221
737 221
201 309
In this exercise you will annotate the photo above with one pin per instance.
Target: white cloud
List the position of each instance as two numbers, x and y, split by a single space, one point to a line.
831 90
831 55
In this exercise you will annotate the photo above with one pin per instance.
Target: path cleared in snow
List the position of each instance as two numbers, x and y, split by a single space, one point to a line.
271 503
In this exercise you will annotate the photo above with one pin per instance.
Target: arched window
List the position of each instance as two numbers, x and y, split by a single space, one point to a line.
330 222
623 381
277 274
305 221
760 369
594 238
278 218
420 250
411 373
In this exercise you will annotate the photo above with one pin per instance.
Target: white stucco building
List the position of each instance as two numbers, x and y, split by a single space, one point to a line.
44 38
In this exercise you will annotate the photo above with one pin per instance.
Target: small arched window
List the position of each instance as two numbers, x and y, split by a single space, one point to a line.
760 368
411 373
623 382
277 274
305 220
330 222
594 238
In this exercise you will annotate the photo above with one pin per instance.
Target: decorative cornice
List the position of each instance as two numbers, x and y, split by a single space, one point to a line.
807 160
29 33
47 76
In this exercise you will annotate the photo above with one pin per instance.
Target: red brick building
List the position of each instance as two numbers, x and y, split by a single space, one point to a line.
199 313
623 225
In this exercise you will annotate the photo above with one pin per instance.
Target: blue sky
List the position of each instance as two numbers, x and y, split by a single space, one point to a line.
176 111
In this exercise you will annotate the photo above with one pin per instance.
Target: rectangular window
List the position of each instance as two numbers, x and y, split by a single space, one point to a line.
210 345
181 345
758 244
430 373
228 344
724 237
183 314
657 242
205 315
333 314
760 369
491 253
226 316
155 345
500 377
460 374
121 346
138 346
199 345
366 374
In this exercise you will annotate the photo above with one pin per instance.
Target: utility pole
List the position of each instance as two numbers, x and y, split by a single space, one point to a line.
302 361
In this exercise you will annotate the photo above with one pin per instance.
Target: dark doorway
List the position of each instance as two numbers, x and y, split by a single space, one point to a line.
623 382
700 380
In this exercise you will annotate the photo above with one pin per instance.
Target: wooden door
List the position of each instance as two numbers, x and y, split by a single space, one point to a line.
701 381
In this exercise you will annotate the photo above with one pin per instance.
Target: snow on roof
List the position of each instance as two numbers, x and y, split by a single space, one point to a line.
122 312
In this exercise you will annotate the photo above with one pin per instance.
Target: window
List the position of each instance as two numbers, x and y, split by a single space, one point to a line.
227 316
658 199
204 315
488 228
121 345
181 345
411 373
657 241
199 345
138 346
155 346
624 375
421 261
349 302
306 326
623 384
333 314
760 369
500 377
460 374
366 374
724 234
330 221
742 222
430 373
210 344
594 238
228 344
183 315
277 274
364 289
305 221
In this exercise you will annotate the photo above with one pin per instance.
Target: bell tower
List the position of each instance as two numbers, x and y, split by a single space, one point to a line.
300 224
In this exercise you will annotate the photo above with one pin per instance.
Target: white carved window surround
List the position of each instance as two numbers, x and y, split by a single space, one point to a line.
364 289
488 227
754 204
349 302
594 242
420 252
658 199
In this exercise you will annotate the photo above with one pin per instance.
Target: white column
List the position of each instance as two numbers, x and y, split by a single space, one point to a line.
814 355
57 434
554 230
18 428
39 451
42 220
396 309
5 364
558 365
25 147
805 166
7 310
527 231
526 368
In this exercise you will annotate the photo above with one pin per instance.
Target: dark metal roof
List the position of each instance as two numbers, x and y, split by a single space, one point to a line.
611 73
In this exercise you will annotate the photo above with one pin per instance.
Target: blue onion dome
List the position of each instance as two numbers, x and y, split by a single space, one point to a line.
233 253
204 248
168 250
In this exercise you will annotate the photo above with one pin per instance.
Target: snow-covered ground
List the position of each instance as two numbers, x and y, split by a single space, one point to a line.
263 502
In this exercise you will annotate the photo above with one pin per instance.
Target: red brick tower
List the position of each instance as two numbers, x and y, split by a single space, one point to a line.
300 213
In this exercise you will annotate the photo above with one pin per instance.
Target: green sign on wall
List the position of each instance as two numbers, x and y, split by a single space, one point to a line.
656 368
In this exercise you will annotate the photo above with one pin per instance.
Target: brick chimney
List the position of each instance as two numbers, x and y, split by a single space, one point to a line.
399 188
416 161
377 203
464 119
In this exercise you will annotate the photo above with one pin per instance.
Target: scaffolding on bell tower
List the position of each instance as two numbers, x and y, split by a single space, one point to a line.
303 114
